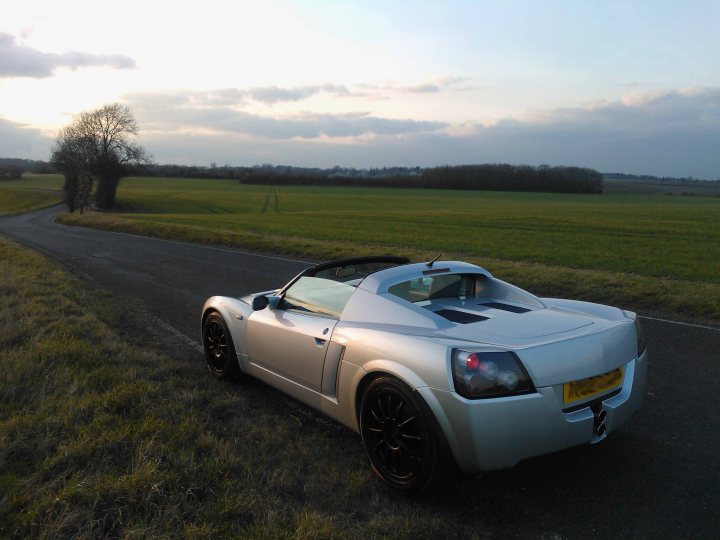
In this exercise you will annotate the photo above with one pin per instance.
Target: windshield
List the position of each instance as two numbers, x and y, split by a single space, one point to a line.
319 295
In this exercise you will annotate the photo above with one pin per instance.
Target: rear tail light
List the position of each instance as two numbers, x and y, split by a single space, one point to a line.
489 374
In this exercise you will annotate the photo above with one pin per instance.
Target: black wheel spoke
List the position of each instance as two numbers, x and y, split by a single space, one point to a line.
393 429
380 409
375 415
411 453
220 353
216 346
393 458
405 422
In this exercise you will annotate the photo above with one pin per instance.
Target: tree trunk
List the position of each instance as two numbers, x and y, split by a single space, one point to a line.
106 189
70 191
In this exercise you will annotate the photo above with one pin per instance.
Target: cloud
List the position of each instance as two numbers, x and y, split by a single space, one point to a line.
436 85
649 112
424 88
238 97
22 141
274 94
18 60
270 95
200 112
673 133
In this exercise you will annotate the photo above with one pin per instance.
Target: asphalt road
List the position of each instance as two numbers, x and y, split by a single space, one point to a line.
656 477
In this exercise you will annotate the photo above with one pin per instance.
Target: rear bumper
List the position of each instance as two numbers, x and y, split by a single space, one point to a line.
497 433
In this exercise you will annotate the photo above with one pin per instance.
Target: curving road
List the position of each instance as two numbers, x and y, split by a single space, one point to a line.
656 477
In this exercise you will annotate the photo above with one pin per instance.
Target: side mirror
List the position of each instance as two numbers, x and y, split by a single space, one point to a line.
260 302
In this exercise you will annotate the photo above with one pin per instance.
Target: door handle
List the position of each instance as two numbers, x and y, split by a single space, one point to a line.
320 342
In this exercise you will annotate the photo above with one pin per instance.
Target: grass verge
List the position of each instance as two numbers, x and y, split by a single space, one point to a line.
699 300
103 435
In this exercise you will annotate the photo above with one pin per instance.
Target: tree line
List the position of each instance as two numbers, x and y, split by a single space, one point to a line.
97 149
13 168
487 177
229 172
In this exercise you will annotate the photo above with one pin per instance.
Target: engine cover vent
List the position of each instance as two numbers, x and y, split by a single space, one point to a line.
506 307
461 317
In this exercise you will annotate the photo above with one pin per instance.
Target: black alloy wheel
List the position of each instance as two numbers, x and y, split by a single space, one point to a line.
219 349
398 436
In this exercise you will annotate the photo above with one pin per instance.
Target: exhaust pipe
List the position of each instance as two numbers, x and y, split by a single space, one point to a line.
599 417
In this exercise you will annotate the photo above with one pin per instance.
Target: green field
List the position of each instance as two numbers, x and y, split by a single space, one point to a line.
646 252
28 194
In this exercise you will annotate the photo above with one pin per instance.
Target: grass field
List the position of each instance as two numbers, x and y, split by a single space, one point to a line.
639 251
23 195
643 252
106 436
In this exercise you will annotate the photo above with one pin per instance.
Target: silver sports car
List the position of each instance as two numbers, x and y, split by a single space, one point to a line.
435 362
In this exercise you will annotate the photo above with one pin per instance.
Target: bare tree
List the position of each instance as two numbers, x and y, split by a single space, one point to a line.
99 144
71 159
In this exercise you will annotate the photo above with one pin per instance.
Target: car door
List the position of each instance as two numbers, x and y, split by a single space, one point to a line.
291 339
290 343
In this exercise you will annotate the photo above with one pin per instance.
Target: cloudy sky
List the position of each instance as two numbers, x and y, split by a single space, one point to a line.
629 86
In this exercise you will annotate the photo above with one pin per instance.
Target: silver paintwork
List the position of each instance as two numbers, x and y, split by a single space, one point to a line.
323 362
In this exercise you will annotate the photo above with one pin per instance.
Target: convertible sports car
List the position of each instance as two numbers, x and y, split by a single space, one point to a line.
435 361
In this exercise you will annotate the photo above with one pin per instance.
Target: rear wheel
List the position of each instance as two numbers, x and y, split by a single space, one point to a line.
397 433
219 349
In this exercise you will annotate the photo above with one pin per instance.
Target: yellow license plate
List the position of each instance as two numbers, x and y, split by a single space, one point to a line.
577 390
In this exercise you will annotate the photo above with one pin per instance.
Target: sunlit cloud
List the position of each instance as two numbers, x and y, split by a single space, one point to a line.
439 84
171 111
274 94
17 60
676 133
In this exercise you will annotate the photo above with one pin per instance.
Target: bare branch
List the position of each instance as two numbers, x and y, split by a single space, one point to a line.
100 143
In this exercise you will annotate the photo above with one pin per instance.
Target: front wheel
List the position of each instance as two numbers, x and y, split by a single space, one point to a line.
219 349
397 433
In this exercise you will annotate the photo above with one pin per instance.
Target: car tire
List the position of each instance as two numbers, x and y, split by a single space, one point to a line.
219 349
397 431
